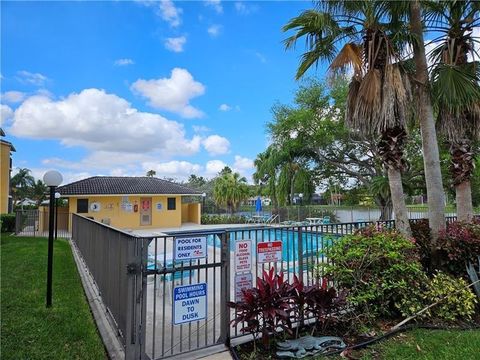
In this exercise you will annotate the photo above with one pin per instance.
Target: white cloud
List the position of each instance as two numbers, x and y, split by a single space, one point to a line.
245 9
216 145
172 94
213 167
13 96
261 57
178 169
242 163
6 113
214 30
36 79
123 62
201 129
166 10
215 4
101 122
224 107
175 44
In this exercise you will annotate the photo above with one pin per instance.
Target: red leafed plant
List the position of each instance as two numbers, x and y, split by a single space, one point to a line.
265 308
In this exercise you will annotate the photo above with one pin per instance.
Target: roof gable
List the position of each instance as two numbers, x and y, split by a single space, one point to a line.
116 185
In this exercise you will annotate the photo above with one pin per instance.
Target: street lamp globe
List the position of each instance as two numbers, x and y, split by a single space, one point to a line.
52 178
58 195
204 194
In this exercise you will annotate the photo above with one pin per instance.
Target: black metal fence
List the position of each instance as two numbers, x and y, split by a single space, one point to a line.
34 222
115 260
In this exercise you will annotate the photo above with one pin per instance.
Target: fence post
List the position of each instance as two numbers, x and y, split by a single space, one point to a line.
225 290
300 254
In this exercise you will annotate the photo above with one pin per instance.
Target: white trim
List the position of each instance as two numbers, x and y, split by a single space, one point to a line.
111 195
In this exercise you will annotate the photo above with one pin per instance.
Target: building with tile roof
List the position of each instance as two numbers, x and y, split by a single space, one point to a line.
132 202
6 148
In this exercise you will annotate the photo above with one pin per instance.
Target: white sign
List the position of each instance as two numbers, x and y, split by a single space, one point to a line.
242 282
269 251
159 206
243 255
190 303
190 248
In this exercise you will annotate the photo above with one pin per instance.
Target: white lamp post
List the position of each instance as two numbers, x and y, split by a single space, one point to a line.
57 196
52 179
204 195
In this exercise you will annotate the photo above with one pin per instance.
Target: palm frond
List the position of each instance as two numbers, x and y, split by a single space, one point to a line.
349 57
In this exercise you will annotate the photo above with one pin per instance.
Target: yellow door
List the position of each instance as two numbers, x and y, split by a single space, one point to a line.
145 211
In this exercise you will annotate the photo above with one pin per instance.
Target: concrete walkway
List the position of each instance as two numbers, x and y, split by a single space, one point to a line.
224 355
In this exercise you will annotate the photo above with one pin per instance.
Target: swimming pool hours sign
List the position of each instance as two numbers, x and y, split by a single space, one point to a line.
190 303
270 251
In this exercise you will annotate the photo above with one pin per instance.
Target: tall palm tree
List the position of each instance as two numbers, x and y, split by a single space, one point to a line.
38 192
266 172
379 93
456 89
21 182
431 157
151 173
229 190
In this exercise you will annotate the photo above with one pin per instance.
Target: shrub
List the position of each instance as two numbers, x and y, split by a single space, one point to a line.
222 219
456 301
422 234
377 268
461 244
8 223
265 308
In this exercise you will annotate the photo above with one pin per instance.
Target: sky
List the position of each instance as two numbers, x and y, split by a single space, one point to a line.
120 88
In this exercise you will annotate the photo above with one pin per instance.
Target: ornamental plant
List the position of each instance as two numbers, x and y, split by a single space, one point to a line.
455 300
378 268
264 308
461 245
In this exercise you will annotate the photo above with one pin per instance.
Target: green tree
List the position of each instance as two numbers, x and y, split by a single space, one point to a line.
379 92
151 173
229 190
456 90
21 184
38 192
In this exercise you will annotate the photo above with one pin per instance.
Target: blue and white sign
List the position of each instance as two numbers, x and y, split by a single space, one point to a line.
190 248
189 303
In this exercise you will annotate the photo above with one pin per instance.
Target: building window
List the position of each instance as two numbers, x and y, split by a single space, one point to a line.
171 204
82 206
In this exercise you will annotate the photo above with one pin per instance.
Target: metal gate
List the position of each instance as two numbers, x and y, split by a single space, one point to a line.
166 333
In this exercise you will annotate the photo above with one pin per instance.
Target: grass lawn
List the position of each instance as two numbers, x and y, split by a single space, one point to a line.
427 345
28 329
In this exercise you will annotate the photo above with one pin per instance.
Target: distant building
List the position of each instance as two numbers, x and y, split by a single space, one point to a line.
7 148
132 202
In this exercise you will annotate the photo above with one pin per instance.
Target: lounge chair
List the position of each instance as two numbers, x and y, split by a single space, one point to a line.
326 220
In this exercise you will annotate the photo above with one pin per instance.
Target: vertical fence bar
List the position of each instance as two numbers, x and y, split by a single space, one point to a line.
225 290
300 254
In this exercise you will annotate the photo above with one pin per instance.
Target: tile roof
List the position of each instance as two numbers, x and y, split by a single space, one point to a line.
113 185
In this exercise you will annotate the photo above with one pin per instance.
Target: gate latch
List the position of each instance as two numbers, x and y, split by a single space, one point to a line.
132 269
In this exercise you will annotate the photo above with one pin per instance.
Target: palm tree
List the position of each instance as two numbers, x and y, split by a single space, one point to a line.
266 173
229 190
38 192
455 87
21 182
151 173
379 93
431 157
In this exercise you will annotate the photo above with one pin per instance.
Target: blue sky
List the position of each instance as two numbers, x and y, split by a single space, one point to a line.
119 88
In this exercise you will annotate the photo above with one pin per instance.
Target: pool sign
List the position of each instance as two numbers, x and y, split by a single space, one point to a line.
269 251
242 282
190 248
190 303
243 255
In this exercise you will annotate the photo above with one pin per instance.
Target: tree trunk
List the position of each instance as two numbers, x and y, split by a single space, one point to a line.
431 159
464 201
398 202
385 208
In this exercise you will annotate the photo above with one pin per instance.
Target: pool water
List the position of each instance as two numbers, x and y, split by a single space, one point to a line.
312 242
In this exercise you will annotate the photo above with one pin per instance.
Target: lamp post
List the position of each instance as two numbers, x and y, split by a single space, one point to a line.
52 179
301 201
204 195
57 196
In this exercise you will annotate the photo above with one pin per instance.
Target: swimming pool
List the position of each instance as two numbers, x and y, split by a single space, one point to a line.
312 242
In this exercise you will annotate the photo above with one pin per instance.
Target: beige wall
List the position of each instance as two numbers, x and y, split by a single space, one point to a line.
110 208
5 177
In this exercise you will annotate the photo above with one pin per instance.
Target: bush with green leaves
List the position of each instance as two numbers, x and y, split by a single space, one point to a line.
455 300
222 219
8 222
378 269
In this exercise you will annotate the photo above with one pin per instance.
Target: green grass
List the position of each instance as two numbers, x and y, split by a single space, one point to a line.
28 329
426 345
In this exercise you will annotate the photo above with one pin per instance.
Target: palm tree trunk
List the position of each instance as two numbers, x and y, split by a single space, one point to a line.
398 202
431 158
464 201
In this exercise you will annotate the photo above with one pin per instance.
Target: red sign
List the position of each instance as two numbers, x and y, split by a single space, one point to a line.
269 251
